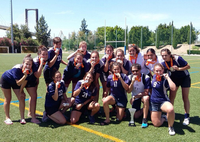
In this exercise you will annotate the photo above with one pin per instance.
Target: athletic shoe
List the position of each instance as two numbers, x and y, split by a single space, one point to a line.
23 121
8 121
186 121
144 123
165 117
171 131
92 119
45 117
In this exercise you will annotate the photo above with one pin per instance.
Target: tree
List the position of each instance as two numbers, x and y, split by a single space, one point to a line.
84 27
16 32
25 31
42 32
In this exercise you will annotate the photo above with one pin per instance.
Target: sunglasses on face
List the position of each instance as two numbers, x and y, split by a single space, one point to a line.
134 70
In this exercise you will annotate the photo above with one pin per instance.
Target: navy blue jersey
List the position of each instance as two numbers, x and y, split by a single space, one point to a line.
13 74
126 65
85 94
51 54
50 102
179 62
72 72
86 56
36 63
117 90
98 67
103 59
159 90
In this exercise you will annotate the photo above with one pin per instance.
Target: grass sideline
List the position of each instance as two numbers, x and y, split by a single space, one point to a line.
52 132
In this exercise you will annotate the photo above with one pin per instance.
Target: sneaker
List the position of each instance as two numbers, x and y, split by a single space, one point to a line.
186 121
8 121
171 131
165 117
92 119
144 123
23 121
45 117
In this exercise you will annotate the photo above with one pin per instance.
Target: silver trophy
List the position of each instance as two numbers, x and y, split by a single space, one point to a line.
132 112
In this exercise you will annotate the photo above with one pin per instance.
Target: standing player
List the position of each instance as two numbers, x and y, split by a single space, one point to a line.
82 49
118 84
74 71
55 58
180 76
14 78
159 99
140 86
56 100
85 92
135 56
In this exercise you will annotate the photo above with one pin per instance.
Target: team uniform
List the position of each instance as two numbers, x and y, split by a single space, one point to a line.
126 65
52 106
85 94
138 59
117 90
47 70
34 81
98 68
144 82
86 56
71 73
150 64
9 77
180 78
104 75
159 93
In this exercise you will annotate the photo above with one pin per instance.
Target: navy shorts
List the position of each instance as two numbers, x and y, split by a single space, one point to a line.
51 110
7 85
156 106
103 76
83 109
32 83
48 76
137 104
184 82
120 102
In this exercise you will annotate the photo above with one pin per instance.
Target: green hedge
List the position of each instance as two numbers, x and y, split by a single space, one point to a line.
193 51
29 49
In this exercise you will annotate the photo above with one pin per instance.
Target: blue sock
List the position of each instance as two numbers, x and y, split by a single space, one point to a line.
187 115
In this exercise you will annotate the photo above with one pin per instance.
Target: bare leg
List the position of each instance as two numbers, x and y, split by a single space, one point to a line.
156 118
169 109
185 97
58 118
75 115
145 100
120 113
6 105
94 107
109 100
172 95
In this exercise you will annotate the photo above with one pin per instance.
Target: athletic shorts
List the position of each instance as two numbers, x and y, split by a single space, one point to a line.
48 76
32 83
51 110
184 82
156 106
67 81
83 109
137 104
120 102
103 76
7 85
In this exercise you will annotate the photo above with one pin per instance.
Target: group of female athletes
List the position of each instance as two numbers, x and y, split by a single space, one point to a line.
147 76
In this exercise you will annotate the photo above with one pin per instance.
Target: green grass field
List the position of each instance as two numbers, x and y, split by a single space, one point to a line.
50 131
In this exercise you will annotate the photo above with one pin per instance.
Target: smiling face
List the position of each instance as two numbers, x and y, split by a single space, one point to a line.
132 51
57 77
116 69
79 59
109 51
165 56
158 70
44 54
151 56
57 45
83 47
135 71
89 77
27 64
119 56
94 57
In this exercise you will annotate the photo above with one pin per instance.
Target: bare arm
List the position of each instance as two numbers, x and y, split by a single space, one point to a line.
65 63
55 95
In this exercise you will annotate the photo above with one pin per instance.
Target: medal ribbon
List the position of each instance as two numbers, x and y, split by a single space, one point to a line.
133 58
76 63
171 63
115 78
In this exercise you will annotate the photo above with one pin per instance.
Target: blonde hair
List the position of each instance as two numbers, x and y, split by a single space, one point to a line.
82 42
